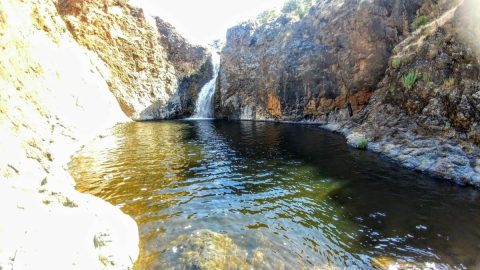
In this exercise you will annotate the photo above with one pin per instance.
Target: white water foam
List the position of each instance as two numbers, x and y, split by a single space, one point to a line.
204 105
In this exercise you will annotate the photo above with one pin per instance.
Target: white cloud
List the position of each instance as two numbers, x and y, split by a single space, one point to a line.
205 20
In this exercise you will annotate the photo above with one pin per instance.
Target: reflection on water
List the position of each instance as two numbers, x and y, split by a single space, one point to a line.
275 196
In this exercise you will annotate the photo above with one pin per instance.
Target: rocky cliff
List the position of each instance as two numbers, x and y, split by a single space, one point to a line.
332 58
67 70
398 76
53 98
154 72
192 66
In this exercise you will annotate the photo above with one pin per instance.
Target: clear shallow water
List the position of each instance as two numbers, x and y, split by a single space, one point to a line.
287 196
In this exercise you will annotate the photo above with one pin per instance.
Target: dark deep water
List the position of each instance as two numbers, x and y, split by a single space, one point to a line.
289 196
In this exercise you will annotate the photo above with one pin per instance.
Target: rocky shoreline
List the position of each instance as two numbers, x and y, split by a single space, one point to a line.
401 80
441 159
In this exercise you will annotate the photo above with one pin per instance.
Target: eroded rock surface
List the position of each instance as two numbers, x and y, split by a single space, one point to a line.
402 75
53 98
431 124
329 60
153 72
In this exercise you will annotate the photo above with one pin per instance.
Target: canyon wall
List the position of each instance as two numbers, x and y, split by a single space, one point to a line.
332 58
193 66
53 99
68 71
154 72
398 77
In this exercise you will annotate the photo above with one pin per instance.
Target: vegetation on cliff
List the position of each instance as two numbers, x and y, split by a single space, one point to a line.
405 75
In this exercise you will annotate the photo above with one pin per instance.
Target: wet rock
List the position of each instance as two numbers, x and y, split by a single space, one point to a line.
207 250
387 263
357 140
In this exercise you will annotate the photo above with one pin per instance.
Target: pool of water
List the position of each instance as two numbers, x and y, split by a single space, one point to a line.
242 195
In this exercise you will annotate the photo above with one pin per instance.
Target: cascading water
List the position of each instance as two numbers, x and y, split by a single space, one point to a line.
204 106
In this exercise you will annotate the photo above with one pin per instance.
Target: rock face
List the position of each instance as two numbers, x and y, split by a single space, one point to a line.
193 66
153 72
329 60
53 99
360 68
60 62
431 123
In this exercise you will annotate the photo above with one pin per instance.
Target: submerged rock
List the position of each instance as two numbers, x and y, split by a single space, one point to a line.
387 263
206 250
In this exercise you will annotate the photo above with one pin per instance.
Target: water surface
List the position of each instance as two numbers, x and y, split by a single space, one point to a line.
286 196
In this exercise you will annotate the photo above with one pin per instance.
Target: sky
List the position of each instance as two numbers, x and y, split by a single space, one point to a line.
202 21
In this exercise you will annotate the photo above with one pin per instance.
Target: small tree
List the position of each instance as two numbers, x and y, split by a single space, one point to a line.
267 16
290 6
298 8
216 44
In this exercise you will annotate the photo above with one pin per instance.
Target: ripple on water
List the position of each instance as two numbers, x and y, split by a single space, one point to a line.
274 196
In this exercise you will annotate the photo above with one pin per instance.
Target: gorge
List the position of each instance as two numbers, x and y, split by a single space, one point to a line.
124 146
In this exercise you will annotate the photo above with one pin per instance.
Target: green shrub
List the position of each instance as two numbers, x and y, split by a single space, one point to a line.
427 77
299 8
410 79
396 63
290 6
419 22
69 203
105 261
362 144
267 16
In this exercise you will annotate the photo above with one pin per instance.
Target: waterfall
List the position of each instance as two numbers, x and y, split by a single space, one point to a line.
204 106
